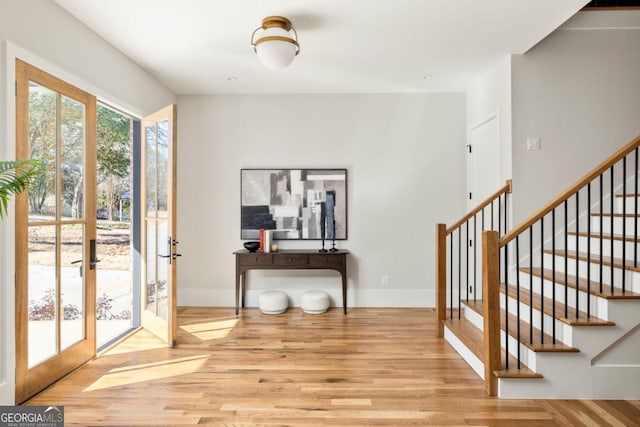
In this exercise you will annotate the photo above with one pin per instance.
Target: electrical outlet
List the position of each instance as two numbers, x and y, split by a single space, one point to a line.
385 281
533 143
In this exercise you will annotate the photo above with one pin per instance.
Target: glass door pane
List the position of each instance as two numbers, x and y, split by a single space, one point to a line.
42 294
159 213
152 265
43 138
72 295
55 221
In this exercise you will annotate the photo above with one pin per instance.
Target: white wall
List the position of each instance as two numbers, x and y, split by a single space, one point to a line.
406 172
578 91
490 94
43 34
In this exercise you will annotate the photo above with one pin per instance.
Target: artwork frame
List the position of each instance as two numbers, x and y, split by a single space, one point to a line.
293 202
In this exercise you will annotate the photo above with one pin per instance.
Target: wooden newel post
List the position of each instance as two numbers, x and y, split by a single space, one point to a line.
491 309
441 278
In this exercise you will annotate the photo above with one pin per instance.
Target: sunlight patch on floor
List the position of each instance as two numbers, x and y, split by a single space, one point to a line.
133 374
144 340
211 330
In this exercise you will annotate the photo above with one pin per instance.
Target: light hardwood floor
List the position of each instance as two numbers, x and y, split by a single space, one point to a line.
372 367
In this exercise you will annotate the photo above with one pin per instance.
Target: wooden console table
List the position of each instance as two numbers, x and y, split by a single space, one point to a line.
289 260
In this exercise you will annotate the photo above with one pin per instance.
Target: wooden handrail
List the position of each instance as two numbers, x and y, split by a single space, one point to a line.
482 205
597 171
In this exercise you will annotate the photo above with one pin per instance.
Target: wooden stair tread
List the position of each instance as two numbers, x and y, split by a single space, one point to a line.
595 258
606 293
616 215
604 236
514 372
628 195
534 344
473 338
466 332
571 319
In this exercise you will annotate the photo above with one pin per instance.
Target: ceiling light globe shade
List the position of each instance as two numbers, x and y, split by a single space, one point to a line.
276 54
276 45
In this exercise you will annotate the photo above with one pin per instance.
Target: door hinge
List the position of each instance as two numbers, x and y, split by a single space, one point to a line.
469 147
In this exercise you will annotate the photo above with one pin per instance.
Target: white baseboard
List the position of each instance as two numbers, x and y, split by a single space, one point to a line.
355 298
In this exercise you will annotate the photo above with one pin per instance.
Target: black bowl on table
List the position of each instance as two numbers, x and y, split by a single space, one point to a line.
252 246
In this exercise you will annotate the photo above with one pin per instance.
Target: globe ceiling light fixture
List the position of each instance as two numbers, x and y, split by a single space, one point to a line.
277 43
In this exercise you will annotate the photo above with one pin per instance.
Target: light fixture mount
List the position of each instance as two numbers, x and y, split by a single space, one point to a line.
277 44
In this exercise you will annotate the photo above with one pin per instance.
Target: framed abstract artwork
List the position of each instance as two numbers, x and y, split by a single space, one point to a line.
297 204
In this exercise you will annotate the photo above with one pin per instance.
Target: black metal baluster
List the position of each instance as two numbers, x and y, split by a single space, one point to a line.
483 218
492 215
553 274
566 259
601 231
578 248
475 256
467 259
542 287
635 212
506 305
531 284
517 295
506 212
611 236
451 275
499 214
459 271
588 253
624 221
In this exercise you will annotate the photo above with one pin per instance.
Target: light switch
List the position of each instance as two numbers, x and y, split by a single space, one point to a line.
533 143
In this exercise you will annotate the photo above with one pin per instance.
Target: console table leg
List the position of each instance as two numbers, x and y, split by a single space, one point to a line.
244 288
237 292
344 292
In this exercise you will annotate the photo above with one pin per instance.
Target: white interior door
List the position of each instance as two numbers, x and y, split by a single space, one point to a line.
484 160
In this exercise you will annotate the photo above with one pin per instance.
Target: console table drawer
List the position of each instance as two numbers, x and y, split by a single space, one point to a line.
255 259
327 261
290 259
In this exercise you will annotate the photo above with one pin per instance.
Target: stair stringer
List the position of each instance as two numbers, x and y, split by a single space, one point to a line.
476 364
619 379
574 375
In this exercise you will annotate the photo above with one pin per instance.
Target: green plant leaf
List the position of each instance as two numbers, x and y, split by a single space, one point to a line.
15 177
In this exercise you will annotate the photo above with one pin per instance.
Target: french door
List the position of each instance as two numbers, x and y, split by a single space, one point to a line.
55 230
159 224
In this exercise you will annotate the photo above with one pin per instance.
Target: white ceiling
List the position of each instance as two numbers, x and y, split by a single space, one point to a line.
347 46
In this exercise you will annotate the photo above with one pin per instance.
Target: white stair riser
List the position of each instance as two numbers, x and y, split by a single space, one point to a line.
629 223
598 306
619 204
632 278
474 317
527 356
563 331
606 247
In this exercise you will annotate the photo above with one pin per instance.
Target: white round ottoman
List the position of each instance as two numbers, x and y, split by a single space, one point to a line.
273 302
315 302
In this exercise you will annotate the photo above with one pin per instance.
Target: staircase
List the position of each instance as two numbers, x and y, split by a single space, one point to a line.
550 308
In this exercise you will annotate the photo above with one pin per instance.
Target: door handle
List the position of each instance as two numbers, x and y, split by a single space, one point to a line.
92 254
78 261
174 256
